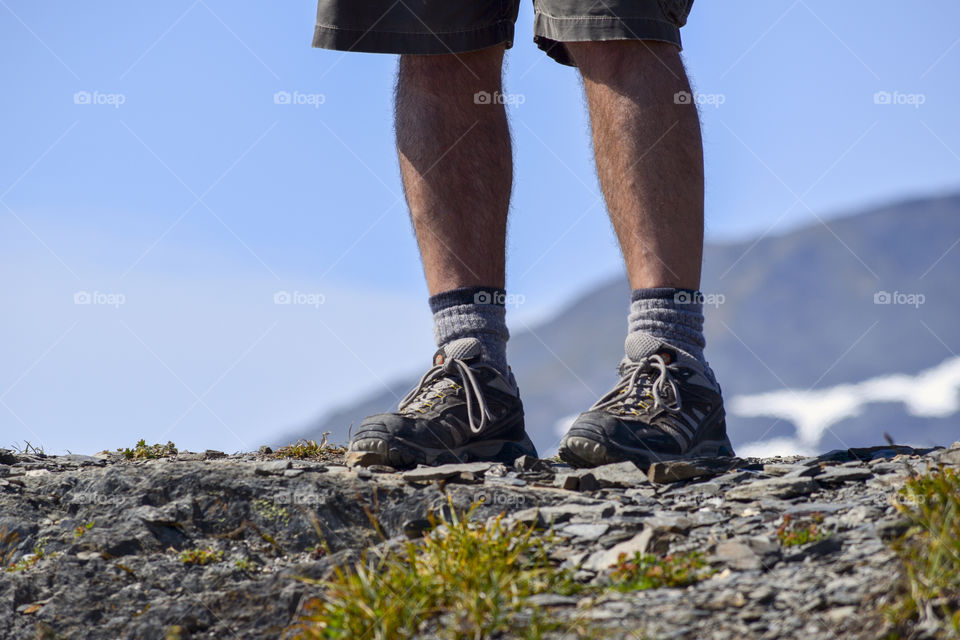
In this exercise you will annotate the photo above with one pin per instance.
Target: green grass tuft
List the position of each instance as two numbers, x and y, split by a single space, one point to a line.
200 556
29 561
796 532
930 552
645 571
310 449
462 580
143 451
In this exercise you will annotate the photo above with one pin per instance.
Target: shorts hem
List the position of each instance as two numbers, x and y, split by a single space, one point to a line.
550 32
406 42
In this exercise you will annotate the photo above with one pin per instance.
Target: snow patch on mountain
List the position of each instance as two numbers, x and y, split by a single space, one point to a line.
933 392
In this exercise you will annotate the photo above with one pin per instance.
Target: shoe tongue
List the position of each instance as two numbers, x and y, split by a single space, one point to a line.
462 349
641 345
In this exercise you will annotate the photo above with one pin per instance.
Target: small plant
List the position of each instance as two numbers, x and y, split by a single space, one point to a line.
930 552
461 580
82 529
143 451
310 449
244 564
29 449
8 546
201 556
316 551
29 561
793 533
646 571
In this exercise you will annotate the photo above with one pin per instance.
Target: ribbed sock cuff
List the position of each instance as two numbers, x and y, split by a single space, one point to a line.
674 316
473 312
467 295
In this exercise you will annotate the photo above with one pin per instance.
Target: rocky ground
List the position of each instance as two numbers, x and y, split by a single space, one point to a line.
112 534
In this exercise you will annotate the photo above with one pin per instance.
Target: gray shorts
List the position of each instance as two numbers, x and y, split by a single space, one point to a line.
457 26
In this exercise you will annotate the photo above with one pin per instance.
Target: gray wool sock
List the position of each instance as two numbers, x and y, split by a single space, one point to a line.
670 315
473 312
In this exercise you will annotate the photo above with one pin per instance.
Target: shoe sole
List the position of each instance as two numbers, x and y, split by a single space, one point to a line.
401 454
584 452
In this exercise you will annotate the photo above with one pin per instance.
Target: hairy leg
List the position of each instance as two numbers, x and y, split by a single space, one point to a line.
649 157
456 164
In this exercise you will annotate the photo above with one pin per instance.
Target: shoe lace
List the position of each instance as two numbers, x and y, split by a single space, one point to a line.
636 382
437 380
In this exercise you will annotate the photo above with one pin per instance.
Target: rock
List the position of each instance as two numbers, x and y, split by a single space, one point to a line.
618 475
803 471
445 471
586 531
414 529
604 559
826 546
532 464
892 528
772 487
668 522
837 615
374 468
844 474
264 450
587 482
79 460
951 457
273 467
738 555
748 553
551 600
568 481
822 508
361 472
844 591
677 470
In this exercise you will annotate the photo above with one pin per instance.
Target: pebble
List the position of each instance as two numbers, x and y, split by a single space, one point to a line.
772 487
445 471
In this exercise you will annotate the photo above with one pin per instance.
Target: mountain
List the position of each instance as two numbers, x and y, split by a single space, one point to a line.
823 308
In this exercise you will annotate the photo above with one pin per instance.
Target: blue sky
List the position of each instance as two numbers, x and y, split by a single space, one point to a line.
146 162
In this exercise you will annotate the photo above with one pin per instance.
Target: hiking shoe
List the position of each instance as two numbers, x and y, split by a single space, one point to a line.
462 410
665 407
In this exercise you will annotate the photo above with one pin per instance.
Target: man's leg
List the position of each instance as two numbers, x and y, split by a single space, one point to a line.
649 157
456 163
650 164
455 159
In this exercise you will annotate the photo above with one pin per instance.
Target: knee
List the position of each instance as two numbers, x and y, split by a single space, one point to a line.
613 58
450 72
